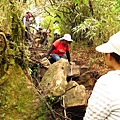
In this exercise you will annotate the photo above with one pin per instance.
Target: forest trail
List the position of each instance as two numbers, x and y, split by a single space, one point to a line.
81 56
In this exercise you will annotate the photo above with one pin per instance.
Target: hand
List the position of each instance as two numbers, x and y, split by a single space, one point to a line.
45 58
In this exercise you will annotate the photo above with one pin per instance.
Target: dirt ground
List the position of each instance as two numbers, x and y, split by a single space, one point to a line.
88 56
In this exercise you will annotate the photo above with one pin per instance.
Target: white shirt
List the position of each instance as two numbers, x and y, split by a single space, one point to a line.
104 102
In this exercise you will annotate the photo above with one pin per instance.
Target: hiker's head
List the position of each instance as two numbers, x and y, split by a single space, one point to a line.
66 39
31 17
29 14
111 49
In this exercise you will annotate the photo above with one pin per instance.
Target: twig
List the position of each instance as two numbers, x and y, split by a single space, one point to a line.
64 107
48 106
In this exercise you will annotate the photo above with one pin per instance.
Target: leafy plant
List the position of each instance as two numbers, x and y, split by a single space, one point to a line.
52 100
100 23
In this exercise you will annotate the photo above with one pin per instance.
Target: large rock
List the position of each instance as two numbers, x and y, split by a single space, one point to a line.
88 79
75 69
75 95
19 100
54 80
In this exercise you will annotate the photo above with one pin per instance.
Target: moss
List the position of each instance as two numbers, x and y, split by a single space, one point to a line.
43 112
19 99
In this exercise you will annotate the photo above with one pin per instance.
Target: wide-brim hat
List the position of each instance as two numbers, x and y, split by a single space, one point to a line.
112 46
67 37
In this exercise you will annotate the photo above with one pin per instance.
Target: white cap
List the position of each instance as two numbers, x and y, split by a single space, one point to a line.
113 45
66 37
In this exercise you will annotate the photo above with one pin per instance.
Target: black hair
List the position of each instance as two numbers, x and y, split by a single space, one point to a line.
116 56
28 12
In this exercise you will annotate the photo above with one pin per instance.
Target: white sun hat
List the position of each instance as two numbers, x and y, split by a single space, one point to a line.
66 37
113 45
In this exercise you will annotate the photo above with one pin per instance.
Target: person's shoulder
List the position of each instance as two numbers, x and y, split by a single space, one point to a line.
113 74
57 41
109 78
106 76
102 77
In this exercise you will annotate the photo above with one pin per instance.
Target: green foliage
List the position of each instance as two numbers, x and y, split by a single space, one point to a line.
102 24
87 20
52 100
11 24
88 28
72 45
76 1
91 61
68 13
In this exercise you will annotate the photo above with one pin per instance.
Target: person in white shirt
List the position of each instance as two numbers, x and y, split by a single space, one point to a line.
104 102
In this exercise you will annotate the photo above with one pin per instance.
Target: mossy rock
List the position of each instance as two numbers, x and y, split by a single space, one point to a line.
54 80
19 100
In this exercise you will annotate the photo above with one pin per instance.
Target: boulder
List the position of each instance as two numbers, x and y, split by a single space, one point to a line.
88 79
45 63
84 69
19 99
75 95
54 80
75 70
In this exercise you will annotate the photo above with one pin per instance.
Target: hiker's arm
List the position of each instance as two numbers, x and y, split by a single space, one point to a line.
51 49
68 55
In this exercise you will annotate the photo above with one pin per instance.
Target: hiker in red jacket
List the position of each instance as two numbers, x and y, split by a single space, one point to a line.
60 48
